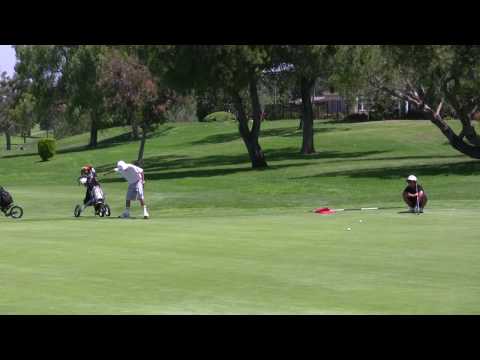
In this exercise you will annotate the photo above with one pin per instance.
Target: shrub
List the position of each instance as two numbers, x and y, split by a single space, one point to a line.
46 148
357 117
415 115
219 116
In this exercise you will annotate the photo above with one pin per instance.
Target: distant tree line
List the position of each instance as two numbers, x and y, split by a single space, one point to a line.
76 88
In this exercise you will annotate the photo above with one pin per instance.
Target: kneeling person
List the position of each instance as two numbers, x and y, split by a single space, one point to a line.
414 195
136 179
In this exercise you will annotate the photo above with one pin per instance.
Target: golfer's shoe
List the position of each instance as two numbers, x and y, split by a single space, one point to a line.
145 215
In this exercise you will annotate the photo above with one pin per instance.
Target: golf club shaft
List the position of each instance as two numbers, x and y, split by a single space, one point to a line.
359 209
109 172
418 199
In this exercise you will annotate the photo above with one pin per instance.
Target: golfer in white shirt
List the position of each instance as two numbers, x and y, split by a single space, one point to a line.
136 179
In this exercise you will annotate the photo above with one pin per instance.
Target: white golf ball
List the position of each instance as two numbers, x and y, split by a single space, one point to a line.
349 229
361 220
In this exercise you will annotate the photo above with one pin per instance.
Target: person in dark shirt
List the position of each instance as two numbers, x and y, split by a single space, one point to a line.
414 195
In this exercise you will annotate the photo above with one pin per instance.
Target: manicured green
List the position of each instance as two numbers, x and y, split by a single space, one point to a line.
223 239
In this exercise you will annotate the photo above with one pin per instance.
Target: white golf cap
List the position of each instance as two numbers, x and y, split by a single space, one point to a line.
121 165
412 178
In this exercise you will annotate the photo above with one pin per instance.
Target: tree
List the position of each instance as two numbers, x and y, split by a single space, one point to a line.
351 75
131 92
7 98
23 115
235 69
434 77
65 75
244 65
40 67
310 62
281 85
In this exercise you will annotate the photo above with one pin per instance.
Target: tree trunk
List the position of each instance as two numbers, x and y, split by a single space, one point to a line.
134 125
306 86
250 138
135 132
455 140
142 147
93 132
259 156
469 131
8 140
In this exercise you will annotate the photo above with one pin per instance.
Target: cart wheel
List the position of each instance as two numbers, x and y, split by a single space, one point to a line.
107 210
16 212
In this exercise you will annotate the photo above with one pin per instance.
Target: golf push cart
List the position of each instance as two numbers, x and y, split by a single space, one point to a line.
95 197
7 207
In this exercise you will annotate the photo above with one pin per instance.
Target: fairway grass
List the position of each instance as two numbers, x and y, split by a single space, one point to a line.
223 239
390 263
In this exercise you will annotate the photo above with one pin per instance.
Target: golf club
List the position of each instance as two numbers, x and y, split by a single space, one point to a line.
109 172
359 209
417 209
332 211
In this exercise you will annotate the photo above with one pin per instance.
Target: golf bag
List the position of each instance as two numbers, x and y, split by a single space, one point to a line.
7 207
94 197
5 199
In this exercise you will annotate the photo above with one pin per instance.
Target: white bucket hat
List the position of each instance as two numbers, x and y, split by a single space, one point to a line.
412 178
121 165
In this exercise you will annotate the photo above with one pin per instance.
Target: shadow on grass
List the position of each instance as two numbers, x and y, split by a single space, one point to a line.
18 155
172 162
106 143
461 168
162 167
292 153
102 144
359 121
113 141
412 157
200 173
280 132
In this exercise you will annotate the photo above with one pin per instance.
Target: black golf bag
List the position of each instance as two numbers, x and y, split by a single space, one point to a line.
7 207
94 197
5 199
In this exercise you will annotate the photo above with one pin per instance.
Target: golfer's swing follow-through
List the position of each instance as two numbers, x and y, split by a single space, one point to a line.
136 180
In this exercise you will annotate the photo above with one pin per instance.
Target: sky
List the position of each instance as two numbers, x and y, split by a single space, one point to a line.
7 59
